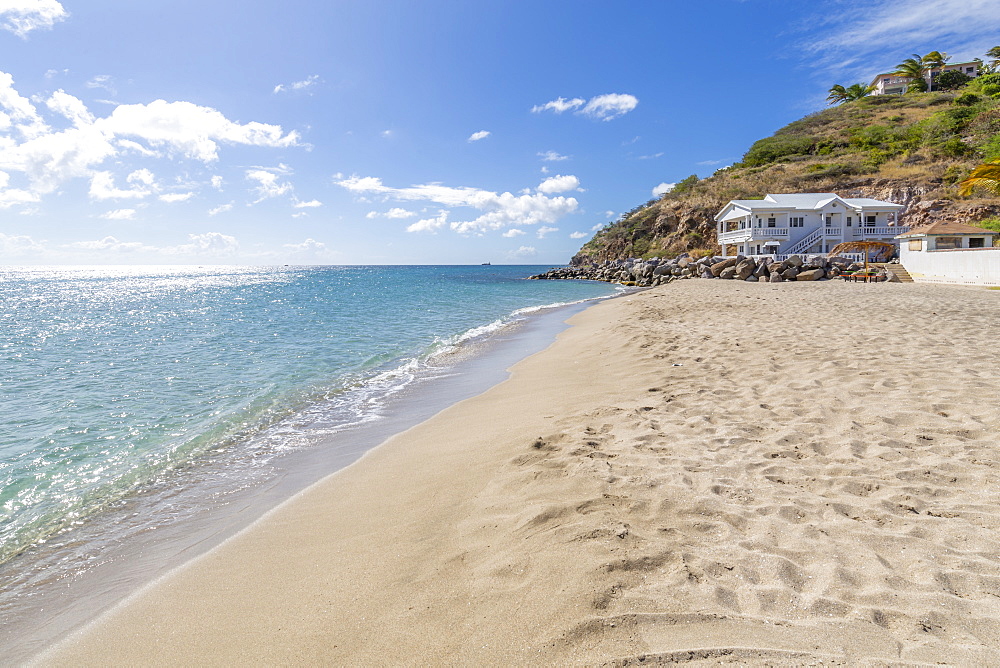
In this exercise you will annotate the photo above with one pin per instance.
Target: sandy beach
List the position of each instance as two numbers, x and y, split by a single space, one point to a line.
707 472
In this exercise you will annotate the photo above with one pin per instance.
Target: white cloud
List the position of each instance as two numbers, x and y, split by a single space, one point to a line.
398 213
311 204
72 108
578 235
612 105
559 184
211 243
709 163
216 182
104 81
653 156
112 244
189 129
476 136
119 214
308 82
514 232
268 185
544 231
46 158
501 210
386 134
20 245
22 16
102 186
371 215
663 189
222 208
602 107
430 224
310 246
170 198
19 112
523 252
552 156
559 105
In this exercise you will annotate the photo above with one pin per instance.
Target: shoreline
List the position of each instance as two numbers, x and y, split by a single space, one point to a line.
706 471
155 544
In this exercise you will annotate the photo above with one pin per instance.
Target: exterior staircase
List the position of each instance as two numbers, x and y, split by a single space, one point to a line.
898 270
804 243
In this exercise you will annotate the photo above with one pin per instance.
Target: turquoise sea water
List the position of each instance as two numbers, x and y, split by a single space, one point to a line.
113 379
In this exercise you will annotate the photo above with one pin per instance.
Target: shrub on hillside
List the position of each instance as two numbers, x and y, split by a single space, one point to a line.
991 90
967 99
771 149
951 80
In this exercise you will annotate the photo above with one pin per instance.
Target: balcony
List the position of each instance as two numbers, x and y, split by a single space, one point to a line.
753 234
883 232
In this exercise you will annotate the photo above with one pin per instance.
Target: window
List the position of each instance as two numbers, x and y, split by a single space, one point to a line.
829 221
849 219
968 70
916 244
977 242
947 243
771 222
869 221
795 221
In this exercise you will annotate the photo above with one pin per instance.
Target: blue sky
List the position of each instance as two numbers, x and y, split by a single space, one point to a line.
392 132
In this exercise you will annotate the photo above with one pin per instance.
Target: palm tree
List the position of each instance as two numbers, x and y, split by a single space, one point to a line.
985 176
858 91
913 69
853 92
934 60
837 94
994 53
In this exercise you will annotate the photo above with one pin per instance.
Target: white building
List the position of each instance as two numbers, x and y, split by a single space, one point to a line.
782 225
950 252
893 84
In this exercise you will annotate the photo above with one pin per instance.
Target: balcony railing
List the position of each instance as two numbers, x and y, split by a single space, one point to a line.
832 231
890 231
748 233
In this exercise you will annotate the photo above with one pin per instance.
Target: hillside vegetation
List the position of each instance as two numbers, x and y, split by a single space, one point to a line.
911 149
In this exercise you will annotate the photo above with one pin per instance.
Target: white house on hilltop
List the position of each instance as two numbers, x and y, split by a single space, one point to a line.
893 84
782 225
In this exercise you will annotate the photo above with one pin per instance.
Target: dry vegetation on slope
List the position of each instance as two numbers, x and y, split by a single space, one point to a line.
909 149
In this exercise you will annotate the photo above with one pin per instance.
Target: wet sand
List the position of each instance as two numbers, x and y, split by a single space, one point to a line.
710 471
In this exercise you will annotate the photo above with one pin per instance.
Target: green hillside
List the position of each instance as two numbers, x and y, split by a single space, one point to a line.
911 149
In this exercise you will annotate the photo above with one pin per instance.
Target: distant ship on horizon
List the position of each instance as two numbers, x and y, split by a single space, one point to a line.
485 264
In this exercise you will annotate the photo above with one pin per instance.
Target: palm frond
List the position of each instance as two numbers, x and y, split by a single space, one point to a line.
985 176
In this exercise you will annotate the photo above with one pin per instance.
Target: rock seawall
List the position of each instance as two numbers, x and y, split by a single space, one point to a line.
650 273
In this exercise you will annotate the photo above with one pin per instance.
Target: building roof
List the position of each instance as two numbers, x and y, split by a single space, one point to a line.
798 201
944 227
858 202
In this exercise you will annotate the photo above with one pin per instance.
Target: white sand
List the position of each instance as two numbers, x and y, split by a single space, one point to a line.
726 473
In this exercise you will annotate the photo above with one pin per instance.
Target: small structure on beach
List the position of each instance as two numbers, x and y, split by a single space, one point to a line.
782 225
950 252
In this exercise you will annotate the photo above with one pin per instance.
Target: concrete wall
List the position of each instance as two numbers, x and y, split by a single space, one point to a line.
969 266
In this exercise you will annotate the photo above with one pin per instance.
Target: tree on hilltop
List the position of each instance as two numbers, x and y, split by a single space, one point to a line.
913 69
853 92
935 60
994 64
